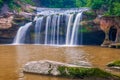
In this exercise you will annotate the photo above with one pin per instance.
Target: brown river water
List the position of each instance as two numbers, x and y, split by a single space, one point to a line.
13 57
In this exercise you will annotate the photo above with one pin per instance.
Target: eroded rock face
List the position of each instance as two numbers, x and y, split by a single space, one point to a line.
6 22
105 24
9 25
46 67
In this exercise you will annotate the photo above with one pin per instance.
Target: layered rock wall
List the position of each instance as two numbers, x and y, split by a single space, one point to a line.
110 22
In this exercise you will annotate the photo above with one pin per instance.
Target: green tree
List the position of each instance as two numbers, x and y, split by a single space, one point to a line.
80 3
1 1
116 9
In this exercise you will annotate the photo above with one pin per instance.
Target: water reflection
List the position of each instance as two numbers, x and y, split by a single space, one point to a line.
32 53
76 56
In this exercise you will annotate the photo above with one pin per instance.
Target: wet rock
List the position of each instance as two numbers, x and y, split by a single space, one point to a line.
114 65
4 40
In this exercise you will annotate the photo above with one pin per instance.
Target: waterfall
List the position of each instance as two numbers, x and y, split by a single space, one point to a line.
68 35
20 37
48 21
75 29
58 27
38 26
54 27
53 31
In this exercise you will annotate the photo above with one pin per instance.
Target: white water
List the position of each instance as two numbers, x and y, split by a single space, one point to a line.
68 35
54 27
53 22
20 37
52 11
38 30
53 32
75 29
58 27
47 28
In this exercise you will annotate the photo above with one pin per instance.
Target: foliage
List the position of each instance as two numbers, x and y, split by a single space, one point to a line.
58 3
110 7
80 3
13 3
96 4
84 29
27 2
115 63
1 1
116 9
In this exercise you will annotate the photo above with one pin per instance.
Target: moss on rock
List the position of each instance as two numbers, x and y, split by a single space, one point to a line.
86 73
114 64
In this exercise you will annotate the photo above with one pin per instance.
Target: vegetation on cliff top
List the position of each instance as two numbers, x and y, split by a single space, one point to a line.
108 7
15 4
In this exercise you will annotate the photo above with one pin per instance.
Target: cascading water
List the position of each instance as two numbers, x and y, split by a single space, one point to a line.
58 26
68 34
20 37
48 21
53 30
55 27
38 26
75 29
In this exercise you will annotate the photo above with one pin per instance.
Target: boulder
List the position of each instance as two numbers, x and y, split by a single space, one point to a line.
45 67
67 70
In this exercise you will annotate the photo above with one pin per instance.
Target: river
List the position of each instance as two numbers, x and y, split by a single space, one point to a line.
13 57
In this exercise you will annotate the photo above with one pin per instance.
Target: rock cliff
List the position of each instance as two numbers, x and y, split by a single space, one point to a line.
106 24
